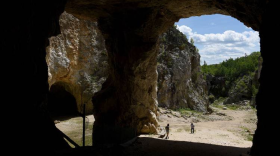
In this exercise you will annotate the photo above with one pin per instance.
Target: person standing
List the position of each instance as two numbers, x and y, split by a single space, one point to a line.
167 131
192 127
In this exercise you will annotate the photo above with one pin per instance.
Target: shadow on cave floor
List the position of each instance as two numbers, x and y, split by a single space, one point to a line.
159 147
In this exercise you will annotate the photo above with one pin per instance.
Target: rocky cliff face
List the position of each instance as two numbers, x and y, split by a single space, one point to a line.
240 90
77 59
180 82
216 85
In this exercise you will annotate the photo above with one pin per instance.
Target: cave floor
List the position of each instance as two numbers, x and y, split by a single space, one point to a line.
222 133
145 146
158 147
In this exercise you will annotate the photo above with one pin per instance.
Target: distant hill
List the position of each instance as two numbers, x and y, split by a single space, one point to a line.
234 78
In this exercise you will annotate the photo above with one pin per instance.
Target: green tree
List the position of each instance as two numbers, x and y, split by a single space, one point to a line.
192 41
205 64
234 68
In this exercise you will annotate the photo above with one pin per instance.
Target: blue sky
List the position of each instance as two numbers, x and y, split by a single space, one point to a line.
219 37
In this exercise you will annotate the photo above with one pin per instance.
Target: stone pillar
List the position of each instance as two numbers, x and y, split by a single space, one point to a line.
127 103
265 142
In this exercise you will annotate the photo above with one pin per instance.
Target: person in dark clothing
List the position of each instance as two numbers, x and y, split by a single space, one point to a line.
192 128
167 131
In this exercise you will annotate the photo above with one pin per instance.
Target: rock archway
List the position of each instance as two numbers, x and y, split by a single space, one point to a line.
131 28
61 102
131 35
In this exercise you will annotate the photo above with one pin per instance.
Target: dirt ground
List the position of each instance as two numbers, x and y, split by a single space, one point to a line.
229 128
221 133
73 128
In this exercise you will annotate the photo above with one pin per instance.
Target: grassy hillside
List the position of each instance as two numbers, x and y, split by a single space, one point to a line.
233 78
232 69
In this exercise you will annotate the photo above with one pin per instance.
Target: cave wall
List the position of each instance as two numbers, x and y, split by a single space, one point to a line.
61 102
30 130
267 95
77 58
127 100
80 48
130 29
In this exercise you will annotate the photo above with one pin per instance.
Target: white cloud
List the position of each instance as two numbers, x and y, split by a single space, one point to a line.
185 29
215 48
248 28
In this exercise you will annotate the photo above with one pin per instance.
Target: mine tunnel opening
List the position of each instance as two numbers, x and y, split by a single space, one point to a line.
61 103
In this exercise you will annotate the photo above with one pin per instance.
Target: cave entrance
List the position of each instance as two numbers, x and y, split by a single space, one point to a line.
149 19
230 56
230 63
217 38
61 103
216 58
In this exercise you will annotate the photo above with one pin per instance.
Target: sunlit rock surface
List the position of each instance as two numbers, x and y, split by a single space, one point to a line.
77 59
180 81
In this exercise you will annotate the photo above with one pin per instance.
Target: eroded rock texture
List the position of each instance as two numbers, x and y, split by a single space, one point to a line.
249 12
77 59
180 82
127 104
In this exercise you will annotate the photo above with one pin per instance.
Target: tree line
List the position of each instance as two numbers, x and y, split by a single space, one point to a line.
232 69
